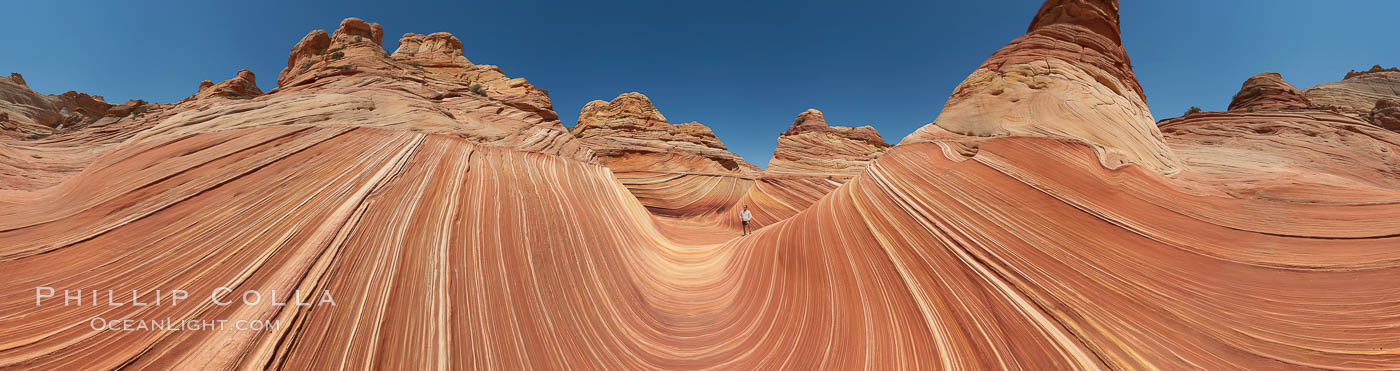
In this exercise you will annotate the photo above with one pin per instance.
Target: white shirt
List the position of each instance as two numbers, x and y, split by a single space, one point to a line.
745 215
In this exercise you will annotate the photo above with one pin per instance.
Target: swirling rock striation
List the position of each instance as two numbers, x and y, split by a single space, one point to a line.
446 253
1272 247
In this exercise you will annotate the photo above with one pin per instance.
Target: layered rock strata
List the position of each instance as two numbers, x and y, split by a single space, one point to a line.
1358 93
629 133
1268 92
812 147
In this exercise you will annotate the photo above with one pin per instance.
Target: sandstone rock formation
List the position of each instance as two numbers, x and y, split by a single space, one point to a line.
436 47
1374 69
1268 92
630 134
131 107
686 177
346 78
442 53
1299 156
1068 77
26 112
811 147
80 106
1358 93
360 87
455 231
243 85
1285 144
1386 114
675 170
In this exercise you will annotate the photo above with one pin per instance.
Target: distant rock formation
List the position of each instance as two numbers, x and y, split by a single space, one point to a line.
811 147
629 133
24 111
1374 69
243 85
1268 92
85 106
341 80
426 85
1358 93
1068 77
134 106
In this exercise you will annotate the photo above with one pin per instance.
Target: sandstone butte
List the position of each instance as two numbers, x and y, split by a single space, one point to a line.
460 226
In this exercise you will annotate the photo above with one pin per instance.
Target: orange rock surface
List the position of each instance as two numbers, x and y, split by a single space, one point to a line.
458 230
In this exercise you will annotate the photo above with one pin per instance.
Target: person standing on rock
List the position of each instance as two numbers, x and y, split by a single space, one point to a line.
745 216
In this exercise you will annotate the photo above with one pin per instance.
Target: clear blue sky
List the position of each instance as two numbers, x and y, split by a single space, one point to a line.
744 68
